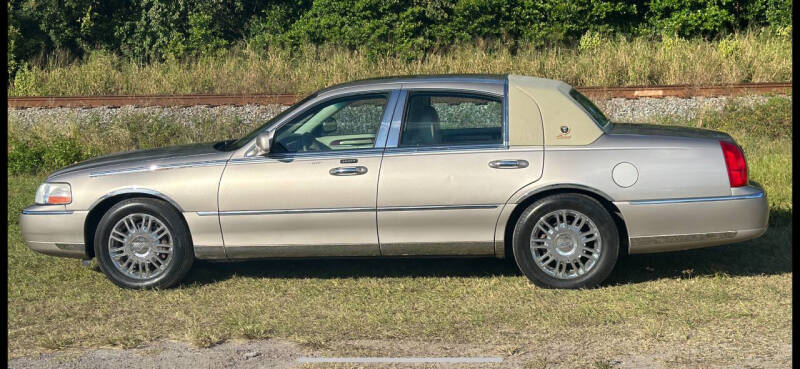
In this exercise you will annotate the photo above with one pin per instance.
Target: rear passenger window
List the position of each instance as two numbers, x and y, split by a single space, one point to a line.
437 119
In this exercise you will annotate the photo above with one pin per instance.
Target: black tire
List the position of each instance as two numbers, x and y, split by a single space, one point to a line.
182 252
587 206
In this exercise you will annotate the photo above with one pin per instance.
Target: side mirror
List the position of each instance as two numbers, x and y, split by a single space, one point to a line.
329 125
263 141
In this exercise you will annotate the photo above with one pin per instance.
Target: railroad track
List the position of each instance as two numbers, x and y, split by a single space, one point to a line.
633 92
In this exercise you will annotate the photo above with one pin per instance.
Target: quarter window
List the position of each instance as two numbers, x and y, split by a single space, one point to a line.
343 124
437 119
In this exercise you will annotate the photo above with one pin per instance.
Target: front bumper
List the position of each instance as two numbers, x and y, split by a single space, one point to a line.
53 230
680 224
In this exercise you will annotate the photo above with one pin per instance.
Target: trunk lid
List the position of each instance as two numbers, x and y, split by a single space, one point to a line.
663 130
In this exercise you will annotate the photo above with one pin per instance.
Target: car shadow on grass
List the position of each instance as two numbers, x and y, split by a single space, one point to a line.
769 254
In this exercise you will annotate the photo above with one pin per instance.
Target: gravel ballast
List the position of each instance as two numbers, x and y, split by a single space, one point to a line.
617 109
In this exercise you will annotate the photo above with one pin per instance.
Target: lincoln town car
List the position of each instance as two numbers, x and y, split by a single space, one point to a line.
503 166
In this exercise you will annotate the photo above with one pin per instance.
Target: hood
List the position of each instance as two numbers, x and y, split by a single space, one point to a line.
664 130
138 158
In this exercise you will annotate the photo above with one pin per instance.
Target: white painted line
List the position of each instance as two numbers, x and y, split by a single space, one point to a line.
450 360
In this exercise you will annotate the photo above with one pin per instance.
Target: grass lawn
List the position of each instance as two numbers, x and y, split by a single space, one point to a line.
728 305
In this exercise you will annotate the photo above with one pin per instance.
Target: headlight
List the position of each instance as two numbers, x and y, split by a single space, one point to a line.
53 194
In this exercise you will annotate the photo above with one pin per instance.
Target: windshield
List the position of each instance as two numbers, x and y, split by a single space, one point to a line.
591 108
242 141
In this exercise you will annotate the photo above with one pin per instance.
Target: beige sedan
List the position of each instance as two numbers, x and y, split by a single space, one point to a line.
475 165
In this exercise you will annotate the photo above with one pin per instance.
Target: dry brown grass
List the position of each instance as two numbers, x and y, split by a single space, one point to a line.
754 56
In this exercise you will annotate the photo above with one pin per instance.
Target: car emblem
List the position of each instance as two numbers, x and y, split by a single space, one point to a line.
565 133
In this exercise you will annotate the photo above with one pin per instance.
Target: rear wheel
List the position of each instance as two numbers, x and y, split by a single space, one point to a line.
143 243
566 241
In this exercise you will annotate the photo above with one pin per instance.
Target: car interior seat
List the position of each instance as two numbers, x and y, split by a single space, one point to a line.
422 126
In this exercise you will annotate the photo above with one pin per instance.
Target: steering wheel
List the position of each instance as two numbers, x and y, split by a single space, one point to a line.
309 142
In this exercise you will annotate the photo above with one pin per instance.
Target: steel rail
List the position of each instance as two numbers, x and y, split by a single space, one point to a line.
629 92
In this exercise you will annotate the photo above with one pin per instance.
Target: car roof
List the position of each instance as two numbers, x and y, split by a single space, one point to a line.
424 78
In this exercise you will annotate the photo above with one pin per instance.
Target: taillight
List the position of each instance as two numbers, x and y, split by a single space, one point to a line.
734 161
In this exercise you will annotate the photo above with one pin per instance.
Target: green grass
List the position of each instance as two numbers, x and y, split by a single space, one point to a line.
754 56
717 306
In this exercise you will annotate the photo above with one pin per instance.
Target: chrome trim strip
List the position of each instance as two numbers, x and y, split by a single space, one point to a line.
283 211
680 238
346 210
443 149
505 112
438 207
361 153
47 212
206 163
136 190
757 195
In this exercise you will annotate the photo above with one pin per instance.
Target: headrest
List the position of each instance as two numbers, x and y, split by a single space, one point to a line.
425 113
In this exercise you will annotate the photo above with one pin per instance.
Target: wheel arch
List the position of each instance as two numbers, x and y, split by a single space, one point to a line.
534 195
105 202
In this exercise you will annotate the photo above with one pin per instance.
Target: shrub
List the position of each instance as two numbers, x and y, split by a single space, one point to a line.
772 119
158 30
691 17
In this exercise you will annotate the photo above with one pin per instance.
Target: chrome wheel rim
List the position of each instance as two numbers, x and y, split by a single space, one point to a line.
140 246
565 244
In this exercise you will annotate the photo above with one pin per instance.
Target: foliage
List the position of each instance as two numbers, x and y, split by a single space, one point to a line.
691 17
598 59
28 155
772 120
157 30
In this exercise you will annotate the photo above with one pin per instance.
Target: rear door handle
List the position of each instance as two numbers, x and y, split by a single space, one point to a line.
508 164
348 171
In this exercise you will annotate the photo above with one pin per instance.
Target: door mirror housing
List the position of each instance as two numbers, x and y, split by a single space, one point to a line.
263 143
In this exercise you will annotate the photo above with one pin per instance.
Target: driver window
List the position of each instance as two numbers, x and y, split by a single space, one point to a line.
341 124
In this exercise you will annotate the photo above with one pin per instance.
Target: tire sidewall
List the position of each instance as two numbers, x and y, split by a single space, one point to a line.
182 248
583 204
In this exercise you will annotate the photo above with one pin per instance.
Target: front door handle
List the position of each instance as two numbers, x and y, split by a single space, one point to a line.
508 164
348 171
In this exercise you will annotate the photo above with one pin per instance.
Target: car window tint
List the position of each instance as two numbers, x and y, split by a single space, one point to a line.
440 119
342 124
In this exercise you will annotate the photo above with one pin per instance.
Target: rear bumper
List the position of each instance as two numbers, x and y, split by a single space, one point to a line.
680 224
54 231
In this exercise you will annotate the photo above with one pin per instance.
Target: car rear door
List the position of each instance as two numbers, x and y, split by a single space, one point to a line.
447 170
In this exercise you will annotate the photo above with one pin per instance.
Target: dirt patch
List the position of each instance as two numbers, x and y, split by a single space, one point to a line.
234 354
283 354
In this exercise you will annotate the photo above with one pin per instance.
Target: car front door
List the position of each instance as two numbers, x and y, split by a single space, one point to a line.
447 172
314 194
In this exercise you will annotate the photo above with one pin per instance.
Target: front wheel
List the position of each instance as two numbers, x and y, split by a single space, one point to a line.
566 241
143 243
